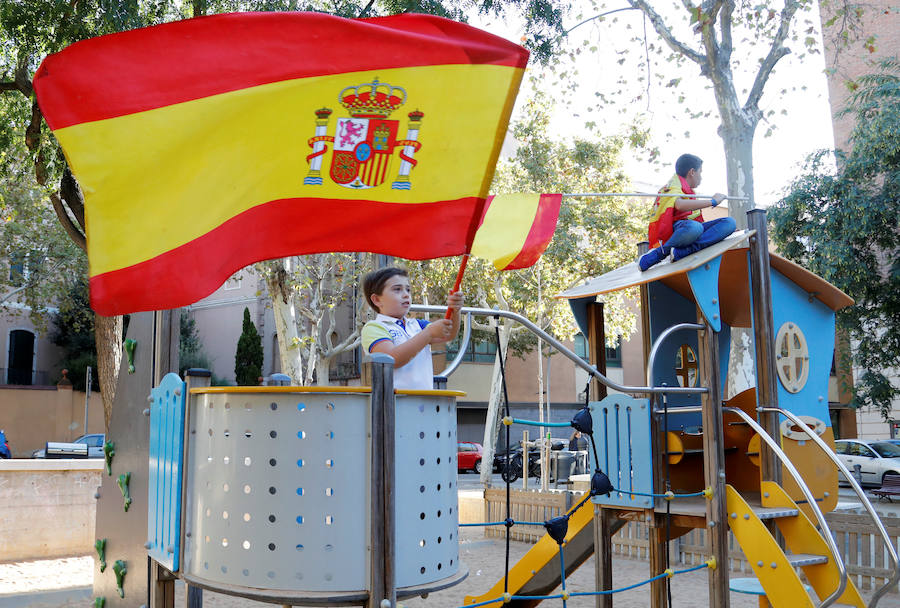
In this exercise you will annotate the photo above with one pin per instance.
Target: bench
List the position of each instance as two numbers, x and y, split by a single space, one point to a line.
890 486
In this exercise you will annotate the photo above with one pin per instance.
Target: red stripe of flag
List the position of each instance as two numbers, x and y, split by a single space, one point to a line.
191 59
540 234
185 274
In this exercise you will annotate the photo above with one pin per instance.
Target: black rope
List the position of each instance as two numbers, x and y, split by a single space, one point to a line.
508 449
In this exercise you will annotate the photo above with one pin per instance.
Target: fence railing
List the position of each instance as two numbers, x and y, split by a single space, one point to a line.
23 377
857 539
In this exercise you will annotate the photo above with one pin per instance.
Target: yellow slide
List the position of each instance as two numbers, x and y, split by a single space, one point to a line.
538 572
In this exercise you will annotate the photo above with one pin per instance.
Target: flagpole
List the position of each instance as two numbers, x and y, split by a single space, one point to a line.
459 278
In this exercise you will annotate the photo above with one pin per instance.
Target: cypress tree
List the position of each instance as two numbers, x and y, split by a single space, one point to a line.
248 359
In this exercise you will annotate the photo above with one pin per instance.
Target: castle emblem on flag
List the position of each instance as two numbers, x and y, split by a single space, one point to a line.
365 142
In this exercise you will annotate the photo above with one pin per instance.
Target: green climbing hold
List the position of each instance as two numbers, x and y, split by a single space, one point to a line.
99 602
123 481
129 351
100 546
109 451
121 569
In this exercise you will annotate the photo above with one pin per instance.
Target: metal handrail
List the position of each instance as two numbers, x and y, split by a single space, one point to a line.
464 345
651 360
807 494
487 312
892 552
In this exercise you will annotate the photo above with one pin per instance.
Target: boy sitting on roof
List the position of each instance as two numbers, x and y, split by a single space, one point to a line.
677 228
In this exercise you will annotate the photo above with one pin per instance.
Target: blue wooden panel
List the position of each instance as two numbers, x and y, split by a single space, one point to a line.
704 281
165 474
791 304
624 447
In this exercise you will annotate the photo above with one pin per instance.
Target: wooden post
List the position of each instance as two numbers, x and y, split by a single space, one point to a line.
764 340
193 378
714 464
382 576
596 341
658 546
644 247
603 534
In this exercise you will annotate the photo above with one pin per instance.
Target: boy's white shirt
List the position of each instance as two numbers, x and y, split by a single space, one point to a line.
418 373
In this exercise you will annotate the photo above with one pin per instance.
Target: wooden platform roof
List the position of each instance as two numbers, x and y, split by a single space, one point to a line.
735 300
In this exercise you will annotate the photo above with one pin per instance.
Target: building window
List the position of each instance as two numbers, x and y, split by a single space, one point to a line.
478 351
613 353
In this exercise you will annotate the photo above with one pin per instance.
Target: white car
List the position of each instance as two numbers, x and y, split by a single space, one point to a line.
874 458
94 442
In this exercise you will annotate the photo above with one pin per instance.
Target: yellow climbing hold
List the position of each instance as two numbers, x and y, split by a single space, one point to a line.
708 493
711 563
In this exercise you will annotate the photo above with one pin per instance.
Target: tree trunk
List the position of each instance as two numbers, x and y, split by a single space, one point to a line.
738 139
494 412
285 313
108 337
322 365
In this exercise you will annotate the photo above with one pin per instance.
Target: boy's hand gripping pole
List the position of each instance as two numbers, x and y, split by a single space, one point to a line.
459 278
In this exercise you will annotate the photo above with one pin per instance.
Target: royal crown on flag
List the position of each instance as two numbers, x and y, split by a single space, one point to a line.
372 99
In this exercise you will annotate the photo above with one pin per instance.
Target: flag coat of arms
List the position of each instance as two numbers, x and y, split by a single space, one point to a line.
208 144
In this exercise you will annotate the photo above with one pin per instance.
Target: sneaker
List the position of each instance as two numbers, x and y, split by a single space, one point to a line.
651 258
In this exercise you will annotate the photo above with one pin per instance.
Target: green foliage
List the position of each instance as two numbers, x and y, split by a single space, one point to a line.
74 334
843 225
593 235
248 359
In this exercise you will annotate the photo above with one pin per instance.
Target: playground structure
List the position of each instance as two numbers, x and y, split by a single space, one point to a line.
246 493
763 461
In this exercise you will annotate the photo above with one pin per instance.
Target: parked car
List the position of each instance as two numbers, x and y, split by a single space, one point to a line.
94 442
468 456
875 459
5 452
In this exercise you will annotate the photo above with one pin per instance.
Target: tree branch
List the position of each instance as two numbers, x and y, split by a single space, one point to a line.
71 194
666 33
725 27
776 52
71 229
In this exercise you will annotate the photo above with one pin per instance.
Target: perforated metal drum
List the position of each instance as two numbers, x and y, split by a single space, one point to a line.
278 494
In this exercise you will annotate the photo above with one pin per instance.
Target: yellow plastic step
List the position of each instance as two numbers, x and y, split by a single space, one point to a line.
772 567
802 537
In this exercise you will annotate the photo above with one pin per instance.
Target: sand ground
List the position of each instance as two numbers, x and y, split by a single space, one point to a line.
483 557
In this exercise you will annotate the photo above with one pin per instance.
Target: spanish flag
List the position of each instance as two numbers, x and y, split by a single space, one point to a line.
516 229
208 144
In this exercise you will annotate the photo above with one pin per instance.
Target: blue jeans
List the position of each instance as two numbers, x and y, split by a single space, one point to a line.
690 237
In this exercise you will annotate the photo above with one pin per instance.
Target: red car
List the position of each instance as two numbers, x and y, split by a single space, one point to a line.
468 457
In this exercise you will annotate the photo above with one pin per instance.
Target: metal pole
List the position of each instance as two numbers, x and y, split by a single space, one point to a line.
562 349
87 396
764 340
644 194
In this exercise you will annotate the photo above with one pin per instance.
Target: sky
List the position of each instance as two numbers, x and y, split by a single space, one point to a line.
801 119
